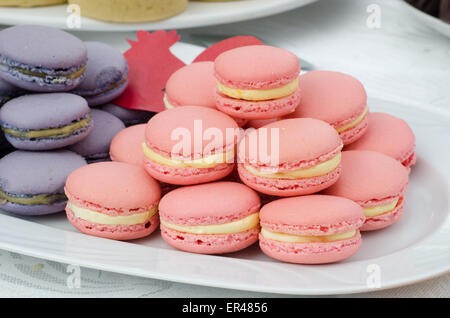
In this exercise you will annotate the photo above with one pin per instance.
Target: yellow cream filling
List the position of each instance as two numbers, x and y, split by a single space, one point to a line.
238 226
291 238
53 132
207 162
74 75
100 218
318 170
259 94
377 210
166 102
44 199
353 123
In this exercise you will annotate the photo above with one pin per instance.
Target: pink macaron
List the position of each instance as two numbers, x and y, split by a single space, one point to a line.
126 146
257 82
213 218
190 145
336 98
291 157
376 182
389 135
194 84
113 200
313 229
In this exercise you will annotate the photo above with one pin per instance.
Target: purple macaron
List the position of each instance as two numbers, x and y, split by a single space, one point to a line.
45 121
128 116
8 91
95 147
106 74
32 183
41 59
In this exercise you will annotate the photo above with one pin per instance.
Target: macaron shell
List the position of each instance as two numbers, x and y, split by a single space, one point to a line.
43 111
389 135
115 186
312 215
289 187
310 253
240 108
127 145
107 96
117 232
193 84
301 141
333 97
33 173
96 145
212 203
42 46
209 244
187 176
256 67
381 221
33 210
106 65
369 176
161 127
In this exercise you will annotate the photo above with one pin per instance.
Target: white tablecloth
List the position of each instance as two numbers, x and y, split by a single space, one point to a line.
402 60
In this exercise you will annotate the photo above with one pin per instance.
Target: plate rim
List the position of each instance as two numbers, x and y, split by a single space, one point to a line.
271 7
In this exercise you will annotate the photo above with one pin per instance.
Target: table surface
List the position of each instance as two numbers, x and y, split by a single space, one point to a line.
402 61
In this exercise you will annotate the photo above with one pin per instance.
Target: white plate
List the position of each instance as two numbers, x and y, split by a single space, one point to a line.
433 22
414 249
197 14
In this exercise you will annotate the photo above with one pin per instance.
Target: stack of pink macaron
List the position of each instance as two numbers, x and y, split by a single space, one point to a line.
323 166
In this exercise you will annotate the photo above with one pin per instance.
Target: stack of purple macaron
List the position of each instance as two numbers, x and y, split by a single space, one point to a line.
49 79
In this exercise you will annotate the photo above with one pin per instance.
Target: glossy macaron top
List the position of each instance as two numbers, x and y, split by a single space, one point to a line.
336 98
387 134
41 111
106 126
302 142
127 145
33 173
106 66
193 84
256 67
113 185
42 47
190 123
369 176
312 215
211 203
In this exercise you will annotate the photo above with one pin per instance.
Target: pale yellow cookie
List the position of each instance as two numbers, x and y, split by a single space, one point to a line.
126 11
29 3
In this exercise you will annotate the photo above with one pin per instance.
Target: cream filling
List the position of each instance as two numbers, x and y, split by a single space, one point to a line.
378 210
51 132
166 102
242 225
207 162
318 170
353 123
259 94
291 238
99 218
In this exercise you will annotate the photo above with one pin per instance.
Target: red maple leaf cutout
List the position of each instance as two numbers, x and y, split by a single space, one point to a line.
151 63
